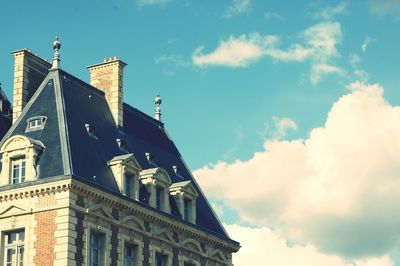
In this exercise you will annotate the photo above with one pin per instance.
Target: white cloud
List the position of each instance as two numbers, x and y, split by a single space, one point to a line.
331 12
366 43
338 189
152 2
318 45
238 7
235 52
262 246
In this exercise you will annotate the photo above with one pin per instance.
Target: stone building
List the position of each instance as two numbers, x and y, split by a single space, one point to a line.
86 179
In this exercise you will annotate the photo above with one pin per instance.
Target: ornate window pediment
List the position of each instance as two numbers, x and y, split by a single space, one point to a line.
19 155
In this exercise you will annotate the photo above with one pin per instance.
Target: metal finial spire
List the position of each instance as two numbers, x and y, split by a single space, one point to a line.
56 58
158 101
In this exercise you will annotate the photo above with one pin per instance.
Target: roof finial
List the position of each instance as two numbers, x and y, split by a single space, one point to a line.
56 58
158 101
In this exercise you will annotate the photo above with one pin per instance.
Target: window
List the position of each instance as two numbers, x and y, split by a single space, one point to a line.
187 207
14 248
129 254
159 197
128 186
36 123
96 249
18 170
161 260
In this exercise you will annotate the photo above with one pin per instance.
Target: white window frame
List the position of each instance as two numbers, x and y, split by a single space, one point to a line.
35 123
20 164
17 245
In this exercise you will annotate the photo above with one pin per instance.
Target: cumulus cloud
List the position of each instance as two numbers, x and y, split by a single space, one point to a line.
262 246
318 44
152 2
338 189
238 7
330 12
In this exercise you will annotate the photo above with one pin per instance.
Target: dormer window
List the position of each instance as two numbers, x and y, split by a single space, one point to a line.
35 123
185 195
19 158
157 182
91 131
18 170
126 170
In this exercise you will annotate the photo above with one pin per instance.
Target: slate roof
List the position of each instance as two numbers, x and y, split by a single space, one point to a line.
69 104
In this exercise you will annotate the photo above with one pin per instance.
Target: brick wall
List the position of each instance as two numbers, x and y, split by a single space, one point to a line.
45 240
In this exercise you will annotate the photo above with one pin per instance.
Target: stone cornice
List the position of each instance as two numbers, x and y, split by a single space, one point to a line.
154 216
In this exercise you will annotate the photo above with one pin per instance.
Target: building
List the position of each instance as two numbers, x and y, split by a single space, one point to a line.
87 179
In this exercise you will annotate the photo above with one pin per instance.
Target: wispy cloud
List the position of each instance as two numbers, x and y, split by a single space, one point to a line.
273 15
142 3
330 12
385 7
367 41
358 72
319 71
318 44
172 63
278 129
238 7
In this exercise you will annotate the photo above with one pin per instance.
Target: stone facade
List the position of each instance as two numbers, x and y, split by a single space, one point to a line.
58 217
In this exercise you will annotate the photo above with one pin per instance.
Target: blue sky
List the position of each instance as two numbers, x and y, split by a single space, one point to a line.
283 92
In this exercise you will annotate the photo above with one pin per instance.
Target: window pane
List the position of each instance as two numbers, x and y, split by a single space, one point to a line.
96 249
14 249
129 255
128 186
161 260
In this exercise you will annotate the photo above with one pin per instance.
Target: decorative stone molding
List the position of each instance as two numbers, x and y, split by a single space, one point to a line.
17 147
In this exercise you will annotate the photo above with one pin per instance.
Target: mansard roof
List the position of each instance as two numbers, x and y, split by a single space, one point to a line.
70 104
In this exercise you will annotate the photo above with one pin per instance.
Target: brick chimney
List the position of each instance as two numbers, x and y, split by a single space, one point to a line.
29 72
108 76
